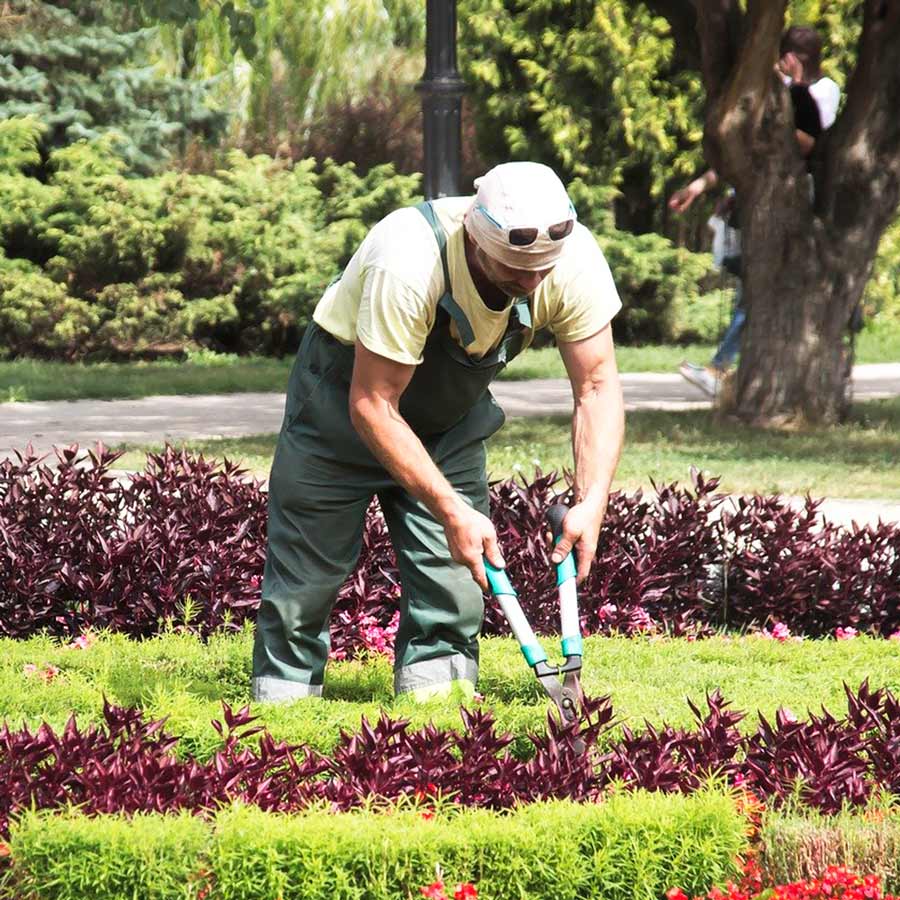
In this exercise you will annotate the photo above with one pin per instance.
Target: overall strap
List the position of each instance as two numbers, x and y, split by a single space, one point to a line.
523 311
447 303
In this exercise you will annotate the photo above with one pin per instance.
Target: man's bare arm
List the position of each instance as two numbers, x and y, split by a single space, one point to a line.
375 392
598 429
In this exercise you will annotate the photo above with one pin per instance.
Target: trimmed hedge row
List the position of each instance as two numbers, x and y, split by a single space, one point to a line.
628 848
185 541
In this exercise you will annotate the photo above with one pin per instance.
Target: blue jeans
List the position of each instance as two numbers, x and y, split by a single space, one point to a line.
731 340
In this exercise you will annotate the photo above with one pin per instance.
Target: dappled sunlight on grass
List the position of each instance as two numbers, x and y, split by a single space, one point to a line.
858 459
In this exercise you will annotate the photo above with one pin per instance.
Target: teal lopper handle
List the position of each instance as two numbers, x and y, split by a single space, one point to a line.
566 572
503 590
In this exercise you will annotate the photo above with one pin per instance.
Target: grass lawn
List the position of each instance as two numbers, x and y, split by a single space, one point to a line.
647 678
31 380
855 460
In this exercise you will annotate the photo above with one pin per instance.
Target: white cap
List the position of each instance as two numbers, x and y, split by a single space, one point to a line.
519 195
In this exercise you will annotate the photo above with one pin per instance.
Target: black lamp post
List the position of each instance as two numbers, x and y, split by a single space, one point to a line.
442 91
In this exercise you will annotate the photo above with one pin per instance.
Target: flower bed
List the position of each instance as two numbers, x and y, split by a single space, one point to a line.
185 540
129 764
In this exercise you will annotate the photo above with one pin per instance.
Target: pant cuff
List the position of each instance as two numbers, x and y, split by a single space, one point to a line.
433 673
275 690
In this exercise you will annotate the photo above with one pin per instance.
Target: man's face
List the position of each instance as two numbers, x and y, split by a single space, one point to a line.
513 282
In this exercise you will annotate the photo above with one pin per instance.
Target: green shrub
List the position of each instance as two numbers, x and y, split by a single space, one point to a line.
153 857
39 318
236 261
798 847
233 261
661 285
631 846
882 294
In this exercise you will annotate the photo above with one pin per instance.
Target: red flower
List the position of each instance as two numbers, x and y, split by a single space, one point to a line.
465 891
434 891
676 894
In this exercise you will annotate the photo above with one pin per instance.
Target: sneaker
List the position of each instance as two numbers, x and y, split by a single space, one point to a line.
701 377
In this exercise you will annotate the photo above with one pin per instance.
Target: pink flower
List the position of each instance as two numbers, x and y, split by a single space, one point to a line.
83 641
781 632
607 610
29 669
49 673
895 636
845 634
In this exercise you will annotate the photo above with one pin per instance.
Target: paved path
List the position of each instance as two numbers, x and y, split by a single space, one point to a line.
154 419
174 418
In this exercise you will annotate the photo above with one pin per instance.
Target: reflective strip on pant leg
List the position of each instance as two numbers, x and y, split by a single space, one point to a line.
270 689
433 677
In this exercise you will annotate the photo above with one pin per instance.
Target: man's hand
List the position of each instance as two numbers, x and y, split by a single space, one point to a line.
790 65
471 537
581 531
682 200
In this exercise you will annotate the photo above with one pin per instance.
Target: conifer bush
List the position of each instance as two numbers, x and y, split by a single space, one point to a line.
86 71
96 264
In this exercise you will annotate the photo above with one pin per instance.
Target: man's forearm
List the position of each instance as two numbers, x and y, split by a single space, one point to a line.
397 447
598 429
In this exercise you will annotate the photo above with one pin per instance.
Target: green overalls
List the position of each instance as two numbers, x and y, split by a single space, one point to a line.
322 481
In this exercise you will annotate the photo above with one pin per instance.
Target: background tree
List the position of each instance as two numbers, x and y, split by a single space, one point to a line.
83 78
282 63
595 90
807 259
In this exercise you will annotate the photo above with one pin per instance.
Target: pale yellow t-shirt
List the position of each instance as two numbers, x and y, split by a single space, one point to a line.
389 292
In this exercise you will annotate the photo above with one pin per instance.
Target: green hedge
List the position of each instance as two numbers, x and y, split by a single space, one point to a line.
177 676
631 847
798 847
97 265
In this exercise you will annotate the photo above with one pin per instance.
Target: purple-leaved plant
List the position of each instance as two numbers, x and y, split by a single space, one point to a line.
129 764
82 549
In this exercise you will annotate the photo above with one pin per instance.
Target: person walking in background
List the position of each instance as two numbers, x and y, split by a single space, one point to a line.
815 100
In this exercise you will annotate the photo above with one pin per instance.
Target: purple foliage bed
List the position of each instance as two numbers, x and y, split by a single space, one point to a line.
80 549
127 764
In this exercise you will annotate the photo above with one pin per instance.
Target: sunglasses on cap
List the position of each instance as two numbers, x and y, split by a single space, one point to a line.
525 237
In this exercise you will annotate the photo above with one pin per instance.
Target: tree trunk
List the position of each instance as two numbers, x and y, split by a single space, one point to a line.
806 262
795 360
